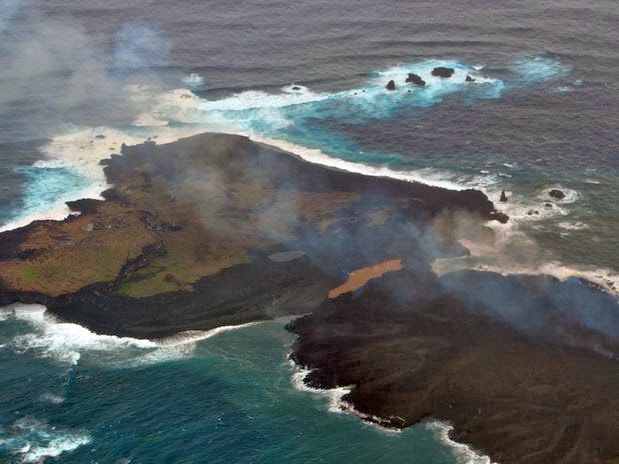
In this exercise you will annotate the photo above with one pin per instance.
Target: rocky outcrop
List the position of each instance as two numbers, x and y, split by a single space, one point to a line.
390 85
442 71
556 194
415 79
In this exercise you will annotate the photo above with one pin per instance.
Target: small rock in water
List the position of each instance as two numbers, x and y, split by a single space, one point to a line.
557 194
548 205
415 79
469 79
533 212
503 197
296 87
442 71
99 136
390 85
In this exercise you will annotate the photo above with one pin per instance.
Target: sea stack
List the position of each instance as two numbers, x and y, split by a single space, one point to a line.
415 79
442 71
556 194
503 198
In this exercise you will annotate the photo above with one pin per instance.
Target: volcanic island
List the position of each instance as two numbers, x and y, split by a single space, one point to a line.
217 230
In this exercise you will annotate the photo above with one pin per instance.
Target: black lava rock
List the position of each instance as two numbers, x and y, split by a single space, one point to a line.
415 79
442 71
556 194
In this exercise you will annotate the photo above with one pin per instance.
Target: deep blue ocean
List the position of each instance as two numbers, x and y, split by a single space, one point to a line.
78 79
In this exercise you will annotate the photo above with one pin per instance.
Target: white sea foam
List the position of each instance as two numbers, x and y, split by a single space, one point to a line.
61 341
578 225
333 394
253 99
68 343
193 336
55 447
51 398
570 195
464 453
316 156
424 70
55 211
33 441
81 148
540 68
336 404
194 80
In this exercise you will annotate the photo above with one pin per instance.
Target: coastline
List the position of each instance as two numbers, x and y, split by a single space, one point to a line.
282 203
606 278
439 357
429 201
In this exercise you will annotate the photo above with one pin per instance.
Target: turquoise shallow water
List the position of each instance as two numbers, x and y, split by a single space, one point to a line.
226 399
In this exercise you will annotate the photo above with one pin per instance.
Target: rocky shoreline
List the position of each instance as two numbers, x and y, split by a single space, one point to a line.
217 230
412 348
188 223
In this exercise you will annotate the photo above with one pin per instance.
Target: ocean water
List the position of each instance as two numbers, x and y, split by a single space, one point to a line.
78 79
78 397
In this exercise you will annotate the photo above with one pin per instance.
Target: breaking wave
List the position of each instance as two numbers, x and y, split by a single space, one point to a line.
464 453
288 117
69 344
33 441
336 404
42 335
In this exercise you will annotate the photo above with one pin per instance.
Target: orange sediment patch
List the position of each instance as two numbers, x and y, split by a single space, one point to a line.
360 277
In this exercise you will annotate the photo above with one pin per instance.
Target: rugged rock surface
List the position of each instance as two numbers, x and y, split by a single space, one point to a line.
442 71
556 194
415 79
508 361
